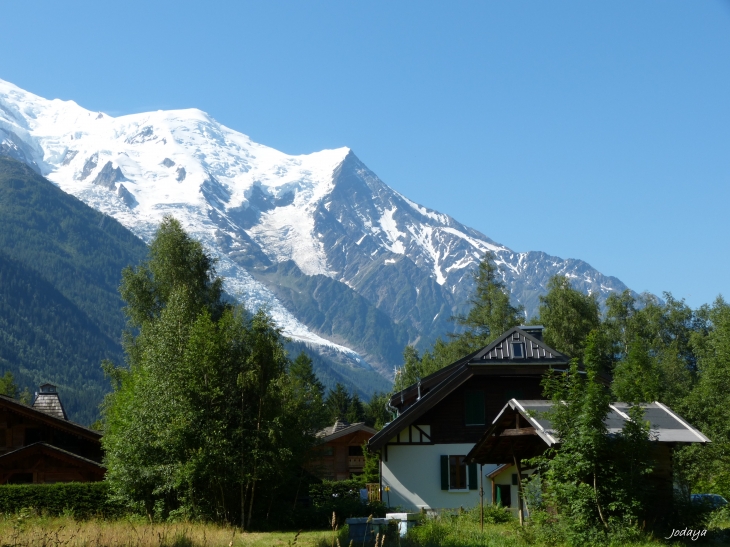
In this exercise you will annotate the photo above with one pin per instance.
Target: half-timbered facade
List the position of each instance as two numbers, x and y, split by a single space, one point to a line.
423 450
39 445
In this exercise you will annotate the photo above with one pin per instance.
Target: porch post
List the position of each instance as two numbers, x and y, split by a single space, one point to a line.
481 495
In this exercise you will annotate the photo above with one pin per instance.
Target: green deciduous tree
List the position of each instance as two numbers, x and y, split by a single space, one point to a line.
596 482
636 376
655 347
204 412
8 387
707 468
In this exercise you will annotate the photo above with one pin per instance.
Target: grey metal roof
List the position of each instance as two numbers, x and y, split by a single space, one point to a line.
664 424
338 426
505 436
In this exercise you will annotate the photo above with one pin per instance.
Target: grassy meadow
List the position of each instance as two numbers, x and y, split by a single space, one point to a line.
31 530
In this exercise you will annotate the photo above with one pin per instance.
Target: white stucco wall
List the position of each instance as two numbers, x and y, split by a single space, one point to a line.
413 473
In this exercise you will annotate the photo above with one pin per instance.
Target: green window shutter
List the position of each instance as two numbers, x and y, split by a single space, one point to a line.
473 477
474 408
444 472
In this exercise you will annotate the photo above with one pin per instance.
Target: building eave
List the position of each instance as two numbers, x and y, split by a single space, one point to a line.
35 414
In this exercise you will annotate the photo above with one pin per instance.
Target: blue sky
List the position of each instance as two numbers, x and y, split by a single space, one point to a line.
592 130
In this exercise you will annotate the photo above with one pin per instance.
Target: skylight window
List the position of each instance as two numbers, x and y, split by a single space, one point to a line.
518 350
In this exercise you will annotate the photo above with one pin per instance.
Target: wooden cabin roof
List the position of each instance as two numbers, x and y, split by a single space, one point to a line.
342 428
523 430
51 420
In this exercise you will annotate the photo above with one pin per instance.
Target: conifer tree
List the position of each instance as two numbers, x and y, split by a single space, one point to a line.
338 403
491 312
568 316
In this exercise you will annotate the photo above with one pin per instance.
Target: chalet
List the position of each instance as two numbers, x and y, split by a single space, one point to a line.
339 453
440 419
523 430
38 444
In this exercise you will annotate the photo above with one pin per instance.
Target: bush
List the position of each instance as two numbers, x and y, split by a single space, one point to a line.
81 499
341 498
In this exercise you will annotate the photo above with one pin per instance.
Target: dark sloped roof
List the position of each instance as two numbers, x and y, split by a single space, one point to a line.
427 383
536 351
53 421
415 411
498 352
503 440
537 356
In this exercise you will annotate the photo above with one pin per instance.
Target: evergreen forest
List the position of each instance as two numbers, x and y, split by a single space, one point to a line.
60 269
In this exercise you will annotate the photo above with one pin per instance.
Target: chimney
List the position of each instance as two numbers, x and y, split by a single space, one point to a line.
48 402
533 330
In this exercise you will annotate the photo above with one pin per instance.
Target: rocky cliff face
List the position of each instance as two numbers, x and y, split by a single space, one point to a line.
342 261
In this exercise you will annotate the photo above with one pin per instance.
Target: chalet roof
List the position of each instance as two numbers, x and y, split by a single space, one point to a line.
17 407
339 425
499 352
497 358
342 428
49 449
523 430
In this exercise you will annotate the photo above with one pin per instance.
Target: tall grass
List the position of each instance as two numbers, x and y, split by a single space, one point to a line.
29 529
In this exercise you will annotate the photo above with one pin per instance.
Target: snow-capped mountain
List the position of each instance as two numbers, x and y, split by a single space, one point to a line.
342 261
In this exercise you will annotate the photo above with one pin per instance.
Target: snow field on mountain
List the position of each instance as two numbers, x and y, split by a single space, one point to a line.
139 143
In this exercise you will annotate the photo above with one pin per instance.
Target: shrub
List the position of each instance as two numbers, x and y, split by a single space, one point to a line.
341 498
82 500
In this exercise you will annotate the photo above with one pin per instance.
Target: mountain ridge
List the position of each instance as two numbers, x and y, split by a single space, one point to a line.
399 270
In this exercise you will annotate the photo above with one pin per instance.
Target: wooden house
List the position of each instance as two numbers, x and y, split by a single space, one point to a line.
522 430
339 454
38 444
440 419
